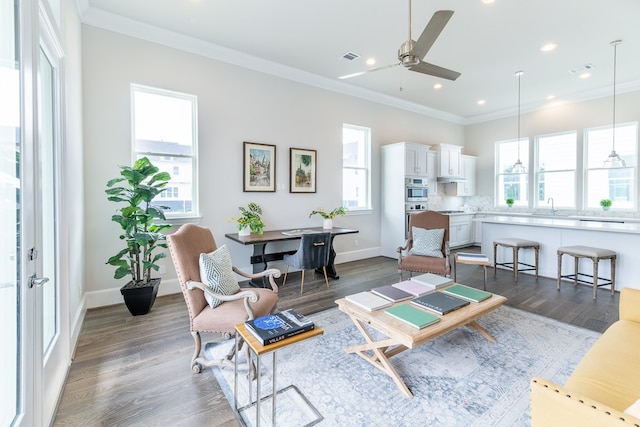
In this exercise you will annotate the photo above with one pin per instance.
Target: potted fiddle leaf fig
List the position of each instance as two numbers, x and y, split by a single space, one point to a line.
142 227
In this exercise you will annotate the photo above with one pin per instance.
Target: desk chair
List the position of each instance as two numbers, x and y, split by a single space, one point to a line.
312 253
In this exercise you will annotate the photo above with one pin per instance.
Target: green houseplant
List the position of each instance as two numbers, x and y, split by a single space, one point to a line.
250 219
606 204
137 187
509 201
328 216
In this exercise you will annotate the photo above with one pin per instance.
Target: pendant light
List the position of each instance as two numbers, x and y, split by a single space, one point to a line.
614 160
518 167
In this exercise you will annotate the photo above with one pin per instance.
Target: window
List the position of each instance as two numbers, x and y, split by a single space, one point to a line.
356 167
165 130
617 184
556 170
509 184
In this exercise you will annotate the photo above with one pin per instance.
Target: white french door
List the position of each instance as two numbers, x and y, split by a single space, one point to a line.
34 345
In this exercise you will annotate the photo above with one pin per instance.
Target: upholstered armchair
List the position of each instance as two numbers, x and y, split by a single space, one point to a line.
312 253
189 246
427 249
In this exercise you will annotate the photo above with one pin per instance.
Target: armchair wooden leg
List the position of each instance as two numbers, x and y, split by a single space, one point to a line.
286 270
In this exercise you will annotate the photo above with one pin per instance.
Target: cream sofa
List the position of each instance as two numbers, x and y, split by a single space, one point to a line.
604 384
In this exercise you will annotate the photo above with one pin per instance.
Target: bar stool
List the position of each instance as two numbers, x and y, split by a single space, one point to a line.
594 254
516 245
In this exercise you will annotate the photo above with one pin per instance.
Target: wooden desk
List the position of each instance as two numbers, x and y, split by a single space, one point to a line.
260 257
400 336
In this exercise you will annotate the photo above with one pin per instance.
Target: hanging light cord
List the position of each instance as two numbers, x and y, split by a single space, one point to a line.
615 51
519 74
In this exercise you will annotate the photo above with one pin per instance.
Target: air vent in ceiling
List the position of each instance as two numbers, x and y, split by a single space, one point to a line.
350 56
581 69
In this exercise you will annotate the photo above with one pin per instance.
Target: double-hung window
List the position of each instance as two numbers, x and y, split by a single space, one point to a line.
556 165
511 185
616 184
165 130
356 167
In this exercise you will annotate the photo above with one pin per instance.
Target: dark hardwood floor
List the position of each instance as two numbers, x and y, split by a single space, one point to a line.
134 371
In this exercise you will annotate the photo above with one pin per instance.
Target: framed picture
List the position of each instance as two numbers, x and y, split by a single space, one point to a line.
302 170
259 167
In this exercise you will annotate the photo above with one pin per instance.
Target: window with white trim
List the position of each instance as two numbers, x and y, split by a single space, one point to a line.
356 167
556 165
164 128
616 184
509 184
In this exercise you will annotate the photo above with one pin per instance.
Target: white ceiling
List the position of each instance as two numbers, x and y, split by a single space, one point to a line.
305 39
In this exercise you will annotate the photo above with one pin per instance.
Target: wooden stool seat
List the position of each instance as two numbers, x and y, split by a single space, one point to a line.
594 254
516 244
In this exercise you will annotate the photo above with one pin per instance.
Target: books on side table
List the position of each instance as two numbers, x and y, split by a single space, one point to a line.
433 281
392 293
439 302
470 256
467 293
369 301
411 315
278 326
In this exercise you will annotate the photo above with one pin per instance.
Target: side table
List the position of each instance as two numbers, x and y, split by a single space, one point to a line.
258 350
481 261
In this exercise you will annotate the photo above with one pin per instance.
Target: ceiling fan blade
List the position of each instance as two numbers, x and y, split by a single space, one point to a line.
431 32
348 76
434 70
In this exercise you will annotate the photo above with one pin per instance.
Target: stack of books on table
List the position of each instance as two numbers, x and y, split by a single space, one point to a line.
392 293
278 326
413 316
439 302
470 256
467 293
368 300
433 281
414 288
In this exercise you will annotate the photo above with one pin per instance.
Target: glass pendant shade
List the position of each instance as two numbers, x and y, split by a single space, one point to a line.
614 160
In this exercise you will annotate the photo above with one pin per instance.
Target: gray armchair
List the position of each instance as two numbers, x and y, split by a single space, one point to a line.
312 253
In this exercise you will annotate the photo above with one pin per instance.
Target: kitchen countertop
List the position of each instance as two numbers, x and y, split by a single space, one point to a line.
576 223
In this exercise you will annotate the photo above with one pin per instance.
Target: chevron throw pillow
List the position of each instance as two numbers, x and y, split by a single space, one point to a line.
427 242
217 273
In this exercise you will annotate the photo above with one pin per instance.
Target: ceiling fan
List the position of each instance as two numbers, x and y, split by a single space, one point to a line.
412 53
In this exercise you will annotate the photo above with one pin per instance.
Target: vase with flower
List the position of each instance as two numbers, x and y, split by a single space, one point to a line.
327 217
250 220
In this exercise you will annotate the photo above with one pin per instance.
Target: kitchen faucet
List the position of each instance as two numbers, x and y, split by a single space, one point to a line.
553 210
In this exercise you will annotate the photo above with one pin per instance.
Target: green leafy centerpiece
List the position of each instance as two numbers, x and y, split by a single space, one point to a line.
328 216
250 220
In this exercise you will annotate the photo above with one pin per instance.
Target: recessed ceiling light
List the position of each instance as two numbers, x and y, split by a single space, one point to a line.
437 86
585 75
548 47
487 1
371 61
550 97
481 102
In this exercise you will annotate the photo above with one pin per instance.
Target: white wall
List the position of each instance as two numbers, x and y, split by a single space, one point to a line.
480 138
234 105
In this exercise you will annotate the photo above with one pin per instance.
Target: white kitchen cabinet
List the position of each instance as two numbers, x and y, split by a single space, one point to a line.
460 230
432 172
415 160
468 186
450 164
477 229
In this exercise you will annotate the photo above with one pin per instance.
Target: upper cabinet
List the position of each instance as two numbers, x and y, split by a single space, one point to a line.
467 186
416 160
450 161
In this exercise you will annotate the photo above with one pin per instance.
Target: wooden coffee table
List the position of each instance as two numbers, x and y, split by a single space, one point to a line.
401 336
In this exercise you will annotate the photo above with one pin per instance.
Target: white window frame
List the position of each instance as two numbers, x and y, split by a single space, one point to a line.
366 169
137 153
557 202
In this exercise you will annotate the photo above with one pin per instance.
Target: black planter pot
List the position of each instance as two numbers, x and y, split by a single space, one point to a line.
140 298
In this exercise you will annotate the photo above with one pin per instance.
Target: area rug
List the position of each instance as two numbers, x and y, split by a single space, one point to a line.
459 379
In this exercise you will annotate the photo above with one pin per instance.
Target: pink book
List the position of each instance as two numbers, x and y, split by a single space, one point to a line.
413 287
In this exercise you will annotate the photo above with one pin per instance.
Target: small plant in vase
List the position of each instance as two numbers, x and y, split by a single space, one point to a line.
606 204
509 201
250 220
327 217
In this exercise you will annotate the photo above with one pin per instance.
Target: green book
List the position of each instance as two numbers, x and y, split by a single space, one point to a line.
465 292
412 315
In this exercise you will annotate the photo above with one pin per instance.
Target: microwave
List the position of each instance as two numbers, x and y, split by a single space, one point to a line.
416 193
